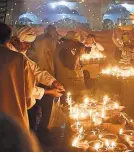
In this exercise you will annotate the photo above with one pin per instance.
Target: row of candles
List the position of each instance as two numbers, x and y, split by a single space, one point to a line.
90 109
105 141
88 57
118 72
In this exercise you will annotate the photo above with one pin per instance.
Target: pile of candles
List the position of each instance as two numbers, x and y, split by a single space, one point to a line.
89 58
95 112
119 72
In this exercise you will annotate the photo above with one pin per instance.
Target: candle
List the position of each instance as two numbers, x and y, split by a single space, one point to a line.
97 120
116 106
105 99
119 72
128 134
109 138
113 144
121 132
80 144
86 101
103 113
97 146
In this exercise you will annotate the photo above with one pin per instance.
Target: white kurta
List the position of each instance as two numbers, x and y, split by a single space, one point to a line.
41 77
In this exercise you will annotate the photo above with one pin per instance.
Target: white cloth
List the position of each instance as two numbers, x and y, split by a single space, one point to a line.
26 34
41 76
37 93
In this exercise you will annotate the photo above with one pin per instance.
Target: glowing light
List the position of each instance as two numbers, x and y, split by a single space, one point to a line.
107 143
86 101
105 99
116 105
53 5
97 146
119 72
113 145
121 131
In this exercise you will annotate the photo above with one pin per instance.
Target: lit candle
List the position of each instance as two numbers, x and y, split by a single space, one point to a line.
107 143
116 106
113 145
105 99
97 146
121 131
103 113
86 101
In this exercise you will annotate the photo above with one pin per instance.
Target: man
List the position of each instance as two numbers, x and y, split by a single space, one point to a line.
95 46
44 49
16 83
26 36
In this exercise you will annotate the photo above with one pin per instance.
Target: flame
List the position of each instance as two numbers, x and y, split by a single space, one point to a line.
106 99
88 57
86 101
107 143
113 145
97 146
103 113
118 72
116 105
121 131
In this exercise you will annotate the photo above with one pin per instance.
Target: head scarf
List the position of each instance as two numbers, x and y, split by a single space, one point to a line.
26 34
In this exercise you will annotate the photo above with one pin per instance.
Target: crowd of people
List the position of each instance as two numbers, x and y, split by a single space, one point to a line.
28 85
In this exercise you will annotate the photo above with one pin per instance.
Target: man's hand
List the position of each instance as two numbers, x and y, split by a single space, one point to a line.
54 92
57 85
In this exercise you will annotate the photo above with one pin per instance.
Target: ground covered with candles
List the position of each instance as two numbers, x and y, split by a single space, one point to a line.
96 126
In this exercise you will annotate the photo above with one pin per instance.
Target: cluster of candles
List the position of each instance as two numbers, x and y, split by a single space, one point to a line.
106 142
119 72
95 112
128 137
89 57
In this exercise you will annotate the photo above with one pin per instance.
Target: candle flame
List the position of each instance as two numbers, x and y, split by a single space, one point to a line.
121 131
107 143
103 113
118 72
69 94
97 146
116 105
127 139
100 136
86 101
95 55
106 99
113 144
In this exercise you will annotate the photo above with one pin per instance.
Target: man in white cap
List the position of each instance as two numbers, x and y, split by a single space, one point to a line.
21 44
